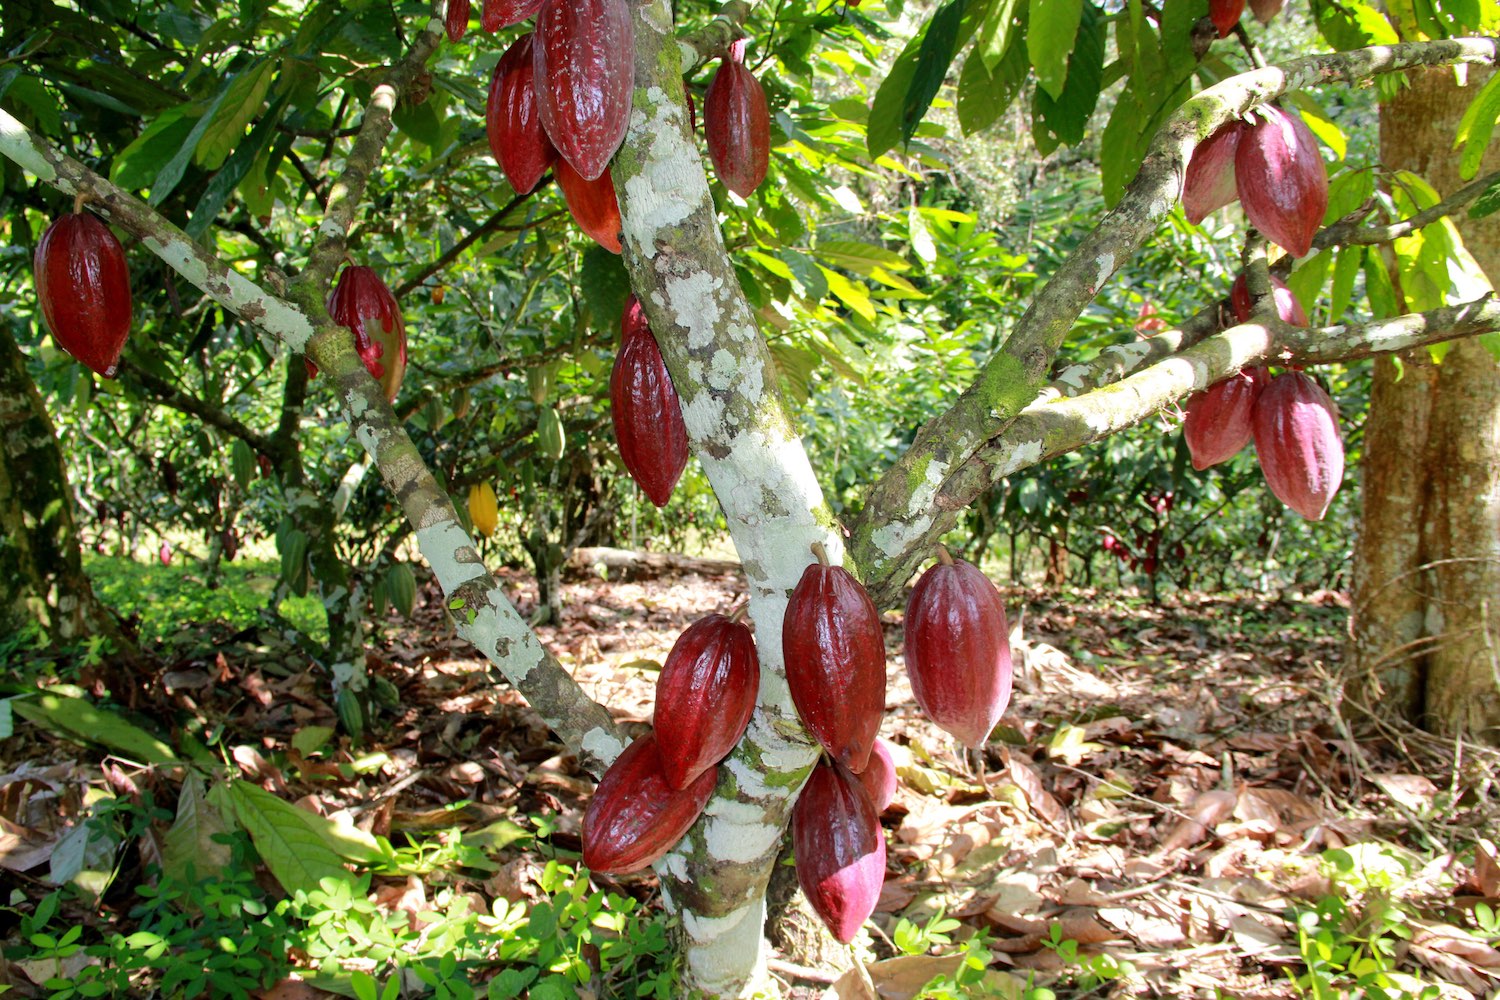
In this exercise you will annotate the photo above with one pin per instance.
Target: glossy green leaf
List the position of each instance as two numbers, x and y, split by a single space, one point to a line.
238 107
1050 36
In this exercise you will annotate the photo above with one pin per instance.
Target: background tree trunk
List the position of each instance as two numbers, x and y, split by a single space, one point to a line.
1425 632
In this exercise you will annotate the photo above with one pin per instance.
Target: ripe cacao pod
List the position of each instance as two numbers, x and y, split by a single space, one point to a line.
456 19
592 203
737 124
958 649
635 815
879 777
646 411
1287 306
84 289
517 140
1281 179
362 302
1297 440
584 69
840 849
1209 183
704 696
484 510
497 14
1219 420
1225 14
165 553
1264 10
835 661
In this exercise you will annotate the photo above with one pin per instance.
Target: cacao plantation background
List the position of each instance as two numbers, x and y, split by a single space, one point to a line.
350 651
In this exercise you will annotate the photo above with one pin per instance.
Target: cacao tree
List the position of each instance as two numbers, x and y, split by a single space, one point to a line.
253 186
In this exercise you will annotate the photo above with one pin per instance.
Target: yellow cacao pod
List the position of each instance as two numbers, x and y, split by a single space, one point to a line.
484 511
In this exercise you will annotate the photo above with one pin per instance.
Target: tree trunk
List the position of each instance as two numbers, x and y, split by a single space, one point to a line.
1425 633
39 553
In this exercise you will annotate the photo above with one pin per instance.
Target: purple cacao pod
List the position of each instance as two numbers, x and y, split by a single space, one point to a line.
584 69
1264 10
1219 419
83 285
1287 306
737 124
456 19
705 695
840 849
635 815
646 411
1209 183
1298 442
879 777
497 14
958 649
1281 179
514 129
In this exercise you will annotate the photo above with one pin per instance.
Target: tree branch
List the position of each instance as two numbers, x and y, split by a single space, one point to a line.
488 226
712 40
169 395
1352 233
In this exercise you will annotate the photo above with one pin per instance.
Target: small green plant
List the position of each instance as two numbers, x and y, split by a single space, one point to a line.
912 939
1087 971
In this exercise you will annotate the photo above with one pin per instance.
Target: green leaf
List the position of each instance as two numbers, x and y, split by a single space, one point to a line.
1306 282
1050 36
983 95
1319 123
298 847
170 175
84 721
1487 203
311 739
996 33
861 258
189 841
1345 270
550 437
1476 127
1067 114
856 297
1350 24
935 55
795 365
888 112
139 163
233 171
606 286
242 464
238 107
1378 286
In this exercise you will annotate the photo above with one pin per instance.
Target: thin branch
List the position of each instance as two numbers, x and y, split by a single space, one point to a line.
490 225
167 394
1351 233
712 40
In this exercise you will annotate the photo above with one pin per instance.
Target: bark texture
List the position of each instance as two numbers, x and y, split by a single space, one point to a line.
1425 632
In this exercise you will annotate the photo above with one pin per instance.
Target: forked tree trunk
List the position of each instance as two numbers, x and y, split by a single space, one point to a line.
1426 622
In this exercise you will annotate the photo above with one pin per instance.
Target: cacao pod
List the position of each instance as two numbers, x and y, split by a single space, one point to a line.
704 696
592 203
1264 10
835 661
1282 182
1209 183
879 777
165 553
362 302
1219 419
840 849
584 69
83 285
401 587
515 133
737 124
456 19
1297 440
1225 14
1287 306
497 14
484 510
958 649
635 815
230 542
646 411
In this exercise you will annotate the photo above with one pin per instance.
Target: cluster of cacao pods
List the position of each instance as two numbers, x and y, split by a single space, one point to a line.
737 123
361 302
646 411
656 789
83 286
1271 164
1292 420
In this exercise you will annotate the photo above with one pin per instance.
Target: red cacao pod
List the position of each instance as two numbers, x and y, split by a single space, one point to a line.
635 815
1209 183
1282 182
1225 14
1287 306
84 289
456 19
517 140
704 696
958 649
165 553
1264 10
584 68
835 661
737 124
840 849
592 203
1219 419
362 302
879 777
1297 440
647 413
497 14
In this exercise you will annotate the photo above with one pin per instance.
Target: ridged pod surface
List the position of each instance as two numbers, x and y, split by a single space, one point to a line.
1287 306
363 303
456 19
497 14
1209 182
1298 442
958 649
646 411
1225 14
512 124
1282 182
592 203
83 285
635 815
879 777
835 661
737 124
1219 418
840 849
583 56
705 695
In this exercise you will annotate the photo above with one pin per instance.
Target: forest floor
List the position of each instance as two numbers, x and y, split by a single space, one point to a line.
1171 806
